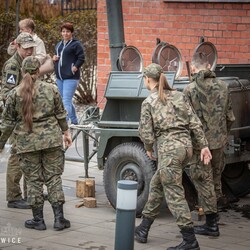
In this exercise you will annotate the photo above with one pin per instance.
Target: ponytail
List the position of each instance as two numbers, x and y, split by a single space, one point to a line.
163 85
26 94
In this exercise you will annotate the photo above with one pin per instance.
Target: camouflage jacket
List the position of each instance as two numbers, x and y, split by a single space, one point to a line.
49 119
211 100
171 125
11 75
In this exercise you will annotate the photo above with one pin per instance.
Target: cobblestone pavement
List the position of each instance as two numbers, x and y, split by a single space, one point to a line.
94 228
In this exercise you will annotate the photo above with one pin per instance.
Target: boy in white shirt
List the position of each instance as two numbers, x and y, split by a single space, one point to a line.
28 25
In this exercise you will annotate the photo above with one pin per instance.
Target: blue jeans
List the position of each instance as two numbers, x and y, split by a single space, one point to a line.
67 90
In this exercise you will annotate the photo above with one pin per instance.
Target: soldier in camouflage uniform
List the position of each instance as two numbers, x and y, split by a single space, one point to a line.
34 110
11 77
168 119
210 99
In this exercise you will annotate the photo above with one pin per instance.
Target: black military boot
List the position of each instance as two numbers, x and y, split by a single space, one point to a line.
60 222
37 222
210 228
21 204
141 231
189 240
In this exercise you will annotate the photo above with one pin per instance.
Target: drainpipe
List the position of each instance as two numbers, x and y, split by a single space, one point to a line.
116 30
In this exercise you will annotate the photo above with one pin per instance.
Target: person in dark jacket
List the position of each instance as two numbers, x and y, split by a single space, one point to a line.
68 58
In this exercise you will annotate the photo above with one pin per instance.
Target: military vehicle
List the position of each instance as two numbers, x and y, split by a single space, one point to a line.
120 152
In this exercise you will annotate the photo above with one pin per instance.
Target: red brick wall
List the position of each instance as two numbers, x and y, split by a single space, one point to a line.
226 25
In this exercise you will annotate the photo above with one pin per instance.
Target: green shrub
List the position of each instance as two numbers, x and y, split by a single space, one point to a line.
85 25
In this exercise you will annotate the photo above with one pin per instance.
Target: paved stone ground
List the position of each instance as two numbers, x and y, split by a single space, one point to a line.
94 228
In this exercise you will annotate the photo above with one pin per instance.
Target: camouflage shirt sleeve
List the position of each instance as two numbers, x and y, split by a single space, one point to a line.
146 128
10 79
11 49
229 113
186 91
199 140
8 119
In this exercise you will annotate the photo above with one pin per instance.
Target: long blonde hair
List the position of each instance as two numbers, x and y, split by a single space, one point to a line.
163 85
26 94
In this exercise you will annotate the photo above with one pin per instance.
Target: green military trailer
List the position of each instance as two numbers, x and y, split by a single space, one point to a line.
120 152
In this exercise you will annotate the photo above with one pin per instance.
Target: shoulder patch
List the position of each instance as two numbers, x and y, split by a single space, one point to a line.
11 78
13 67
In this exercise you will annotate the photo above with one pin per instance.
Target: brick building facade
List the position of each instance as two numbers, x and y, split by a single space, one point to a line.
226 25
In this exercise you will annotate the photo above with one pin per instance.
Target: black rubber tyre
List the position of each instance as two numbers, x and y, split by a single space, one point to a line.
237 178
128 161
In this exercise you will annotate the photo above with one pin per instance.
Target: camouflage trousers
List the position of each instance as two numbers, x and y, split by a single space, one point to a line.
43 167
218 165
13 178
167 182
202 177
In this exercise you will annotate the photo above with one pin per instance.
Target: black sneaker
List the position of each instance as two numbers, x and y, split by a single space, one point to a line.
21 204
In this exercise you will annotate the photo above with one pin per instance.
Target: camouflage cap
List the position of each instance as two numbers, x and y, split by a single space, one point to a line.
153 70
30 64
25 40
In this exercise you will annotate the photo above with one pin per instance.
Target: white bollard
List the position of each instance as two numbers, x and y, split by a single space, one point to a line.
125 214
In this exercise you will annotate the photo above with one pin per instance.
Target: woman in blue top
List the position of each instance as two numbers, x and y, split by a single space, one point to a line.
68 58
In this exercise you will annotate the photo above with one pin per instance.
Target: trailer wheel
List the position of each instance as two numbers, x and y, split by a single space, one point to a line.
128 161
237 177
